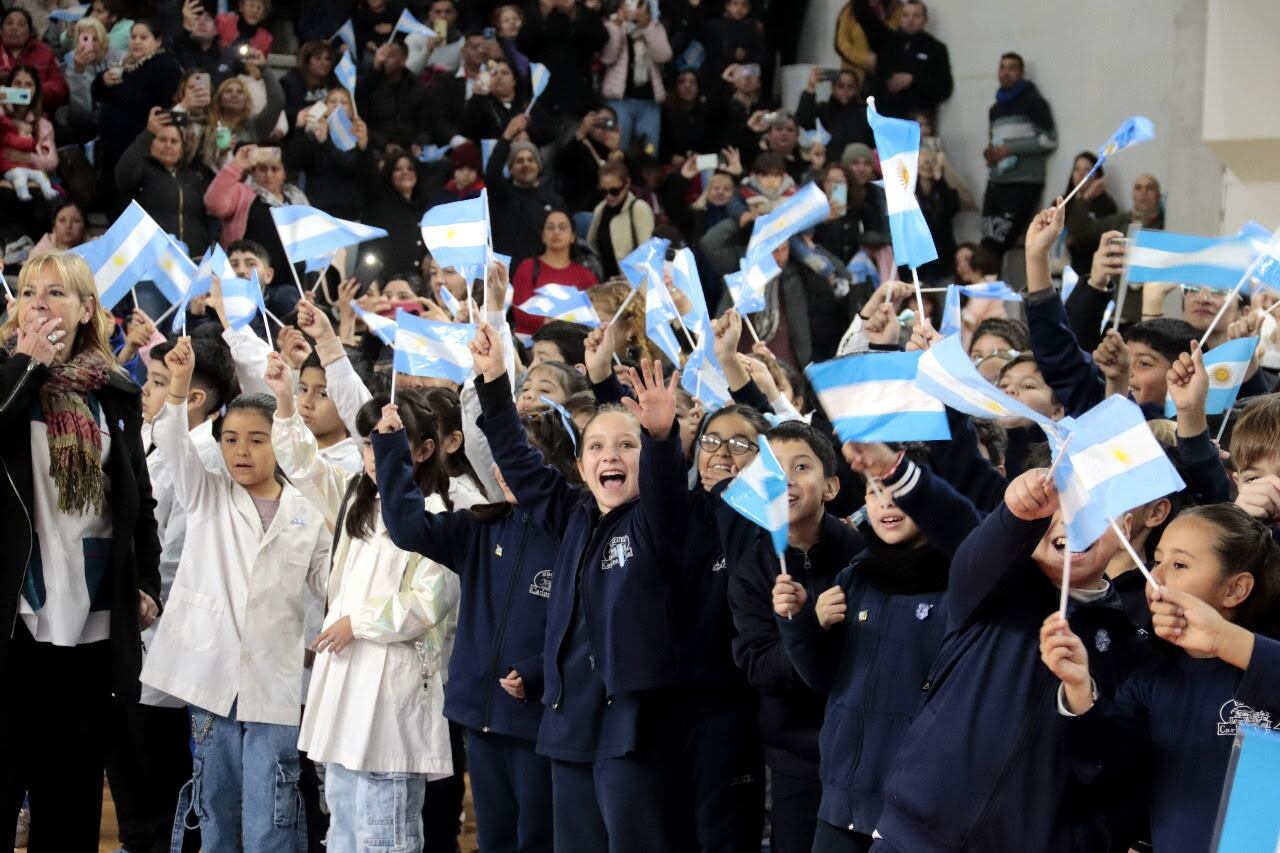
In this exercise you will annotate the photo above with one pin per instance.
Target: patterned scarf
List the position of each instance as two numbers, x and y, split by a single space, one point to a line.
75 442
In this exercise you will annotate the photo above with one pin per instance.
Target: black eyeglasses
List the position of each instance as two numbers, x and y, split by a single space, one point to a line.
614 190
739 445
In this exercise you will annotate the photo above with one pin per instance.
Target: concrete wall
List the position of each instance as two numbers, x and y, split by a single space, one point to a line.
1097 62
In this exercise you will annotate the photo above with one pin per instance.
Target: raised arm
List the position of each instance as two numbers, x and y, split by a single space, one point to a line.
192 483
344 386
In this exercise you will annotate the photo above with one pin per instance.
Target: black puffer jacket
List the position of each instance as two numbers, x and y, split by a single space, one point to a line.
173 197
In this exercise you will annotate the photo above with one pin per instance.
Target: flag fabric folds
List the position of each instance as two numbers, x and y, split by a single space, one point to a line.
450 302
345 71
562 302
383 327
409 25
759 494
990 290
1226 366
1113 464
1217 262
539 77
703 375
946 373
819 134
875 398
898 146
124 255
643 265
70 14
306 232
341 133
457 233
173 270
242 300
747 286
952 323
429 348
685 278
1134 131
347 35
806 208
213 263
659 314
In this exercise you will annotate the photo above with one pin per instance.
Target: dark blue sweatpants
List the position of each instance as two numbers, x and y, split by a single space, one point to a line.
511 792
614 805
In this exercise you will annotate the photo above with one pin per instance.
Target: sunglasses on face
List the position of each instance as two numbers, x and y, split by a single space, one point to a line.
612 191
739 445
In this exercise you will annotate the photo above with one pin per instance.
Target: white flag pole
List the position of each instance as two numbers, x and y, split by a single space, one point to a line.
1226 416
1122 287
1137 561
393 385
1066 580
1231 297
157 321
1080 185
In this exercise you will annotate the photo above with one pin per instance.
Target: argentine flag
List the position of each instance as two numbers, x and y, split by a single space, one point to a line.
428 348
643 265
898 146
1217 262
539 77
1070 278
747 286
242 300
806 208
990 290
874 397
685 278
819 134
213 263
759 494
70 14
124 255
457 234
308 233
1134 131
486 151
1112 465
947 373
340 132
562 302
450 302
347 35
659 314
345 71
1226 366
703 375
952 322
383 327
173 271
409 25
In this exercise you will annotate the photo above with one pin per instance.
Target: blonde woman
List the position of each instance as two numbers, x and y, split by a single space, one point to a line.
232 120
81 570
89 56
336 179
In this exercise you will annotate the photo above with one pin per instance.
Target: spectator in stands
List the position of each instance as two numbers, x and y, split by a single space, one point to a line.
334 178
844 116
232 121
242 195
1147 211
686 126
493 103
196 44
975 264
507 21
578 163
782 137
396 203
518 204
733 110
940 203
153 171
86 61
393 102
449 93
246 26
1096 202
464 175
768 184
841 233
735 38
633 59
554 266
309 82
913 69
620 222
1022 136
113 17
716 195
266 98
39 11
34 166
149 78
856 56
437 54
374 22
66 231
20 46
867 203
565 36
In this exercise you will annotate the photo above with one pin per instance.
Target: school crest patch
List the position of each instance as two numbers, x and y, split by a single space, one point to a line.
617 554
923 610
1233 714
1102 640
719 565
541 585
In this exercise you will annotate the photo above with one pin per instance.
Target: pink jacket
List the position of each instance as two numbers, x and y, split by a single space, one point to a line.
229 199
615 57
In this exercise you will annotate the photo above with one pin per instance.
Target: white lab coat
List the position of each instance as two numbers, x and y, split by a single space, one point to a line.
232 631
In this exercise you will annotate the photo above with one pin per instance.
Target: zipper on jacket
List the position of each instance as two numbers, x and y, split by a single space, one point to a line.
580 582
31 538
26 374
181 239
502 628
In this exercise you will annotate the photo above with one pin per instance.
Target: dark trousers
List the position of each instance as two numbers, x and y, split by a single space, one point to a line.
511 790
442 806
793 816
835 839
55 723
614 805
148 762
1007 210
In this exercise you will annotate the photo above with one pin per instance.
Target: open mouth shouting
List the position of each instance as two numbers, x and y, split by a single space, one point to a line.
612 480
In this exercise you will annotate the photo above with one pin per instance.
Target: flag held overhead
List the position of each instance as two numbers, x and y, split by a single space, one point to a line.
898 146
429 348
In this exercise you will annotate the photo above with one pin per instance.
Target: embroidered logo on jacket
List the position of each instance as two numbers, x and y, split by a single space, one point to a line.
1233 714
922 611
617 554
719 565
541 585
1102 640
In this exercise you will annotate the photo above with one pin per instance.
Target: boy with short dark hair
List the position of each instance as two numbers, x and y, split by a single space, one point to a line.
559 340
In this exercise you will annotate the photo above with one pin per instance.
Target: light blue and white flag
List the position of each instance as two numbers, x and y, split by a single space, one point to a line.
1248 821
747 287
383 327
643 264
562 302
347 35
450 302
433 153
685 277
345 71
486 151
990 290
173 271
539 77
946 373
1134 131
863 270
1226 366
306 232
952 322
693 57
1217 262
874 397
428 348
807 207
409 25
242 300
1266 273
341 133
703 375
1113 463
124 255
213 263
898 146
759 494
70 14
457 234
819 134
1070 278
659 314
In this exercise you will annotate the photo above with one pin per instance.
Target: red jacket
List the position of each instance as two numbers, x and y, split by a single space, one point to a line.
12 140
37 54
524 283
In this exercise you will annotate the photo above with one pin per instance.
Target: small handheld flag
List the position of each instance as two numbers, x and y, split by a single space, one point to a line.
457 234
347 35
990 290
428 348
703 375
819 134
946 372
875 398
562 302
383 327
71 14
747 287
898 146
643 265
122 256
1217 262
759 494
450 302
242 300
659 314
685 277
340 132
306 232
808 207
1134 131
952 323
409 25
173 270
539 77
345 71
1226 366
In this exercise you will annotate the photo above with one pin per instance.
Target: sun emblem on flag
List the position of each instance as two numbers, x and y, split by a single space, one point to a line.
1120 456
449 234
1221 374
904 175
1110 149
995 408
118 260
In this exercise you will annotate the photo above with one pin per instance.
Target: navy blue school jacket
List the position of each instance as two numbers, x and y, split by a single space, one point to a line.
1202 468
959 463
790 711
1069 370
876 663
627 559
505 570
984 766
1179 719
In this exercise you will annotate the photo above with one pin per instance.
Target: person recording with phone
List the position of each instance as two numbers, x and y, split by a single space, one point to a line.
843 115
154 171
27 152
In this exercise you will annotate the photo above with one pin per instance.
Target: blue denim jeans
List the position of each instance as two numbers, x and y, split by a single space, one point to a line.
373 811
244 786
638 118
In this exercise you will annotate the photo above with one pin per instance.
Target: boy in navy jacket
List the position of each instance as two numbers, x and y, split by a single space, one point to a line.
983 766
